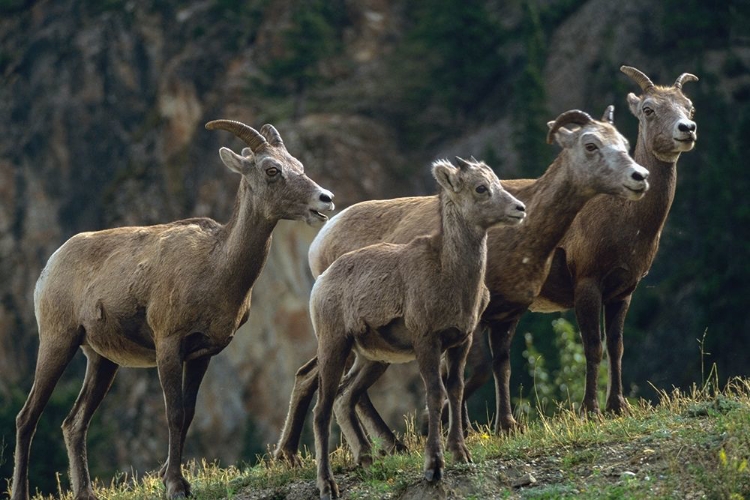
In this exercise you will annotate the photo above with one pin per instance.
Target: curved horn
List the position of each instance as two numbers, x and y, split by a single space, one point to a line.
248 134
575 116
462 164
639 77
683 78
609 114
271 134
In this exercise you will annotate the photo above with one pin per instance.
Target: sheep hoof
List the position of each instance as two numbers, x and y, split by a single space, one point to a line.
461 454
364 461
290 457
178 488
329 489
618 405
86 495
399 447
434 474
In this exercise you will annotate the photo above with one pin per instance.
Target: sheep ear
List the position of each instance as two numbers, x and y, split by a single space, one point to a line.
565 137
234 162
634 104
447 176
247 153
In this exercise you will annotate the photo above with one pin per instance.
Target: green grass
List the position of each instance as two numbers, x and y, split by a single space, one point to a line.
694 444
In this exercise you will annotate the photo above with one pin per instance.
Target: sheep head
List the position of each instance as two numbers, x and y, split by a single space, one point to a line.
665 115
476 191
272 176
596 155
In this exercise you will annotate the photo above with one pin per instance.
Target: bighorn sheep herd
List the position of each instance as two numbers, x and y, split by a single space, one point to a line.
405 279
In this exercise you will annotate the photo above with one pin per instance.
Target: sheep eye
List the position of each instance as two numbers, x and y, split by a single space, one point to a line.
481 189
648 111
272 171
591 147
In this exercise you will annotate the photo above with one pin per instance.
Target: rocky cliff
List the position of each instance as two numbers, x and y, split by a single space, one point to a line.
103 106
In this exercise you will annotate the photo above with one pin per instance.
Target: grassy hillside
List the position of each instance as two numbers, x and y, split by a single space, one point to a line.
693 445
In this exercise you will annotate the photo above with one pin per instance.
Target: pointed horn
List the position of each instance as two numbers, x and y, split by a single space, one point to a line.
248 134
575 116
271 134
683 78
462 164
609 114
639 77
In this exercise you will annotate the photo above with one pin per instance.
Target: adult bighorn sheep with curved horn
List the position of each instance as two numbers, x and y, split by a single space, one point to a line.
594 160
612 243
170 295
608 249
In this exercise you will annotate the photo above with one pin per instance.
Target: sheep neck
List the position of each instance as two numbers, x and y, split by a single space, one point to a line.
246 242
553 202
650 213
462 246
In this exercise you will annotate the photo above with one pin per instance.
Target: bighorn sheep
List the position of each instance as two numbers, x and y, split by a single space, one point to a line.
394 303
169 295
612 243
594 160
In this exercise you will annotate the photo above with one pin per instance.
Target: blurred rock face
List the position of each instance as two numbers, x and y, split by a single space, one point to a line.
106 113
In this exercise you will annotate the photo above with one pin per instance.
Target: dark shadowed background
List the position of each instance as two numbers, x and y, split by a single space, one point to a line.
102 106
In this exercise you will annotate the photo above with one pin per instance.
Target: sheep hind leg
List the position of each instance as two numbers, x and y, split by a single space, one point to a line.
332 354
376 426
100 372
501 335
55 352
305 385
481 371
361 376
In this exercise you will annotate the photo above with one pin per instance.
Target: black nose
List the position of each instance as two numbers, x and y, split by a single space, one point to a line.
325 198
520 208
686 127
637 176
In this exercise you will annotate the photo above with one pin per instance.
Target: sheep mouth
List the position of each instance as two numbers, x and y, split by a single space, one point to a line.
318 215
638 192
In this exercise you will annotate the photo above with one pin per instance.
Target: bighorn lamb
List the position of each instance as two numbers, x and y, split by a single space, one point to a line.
169 295
394 303
612 243
593 160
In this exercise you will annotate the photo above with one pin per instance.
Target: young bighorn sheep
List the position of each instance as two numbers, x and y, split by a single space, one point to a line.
394 303
169 295
612 243
594 160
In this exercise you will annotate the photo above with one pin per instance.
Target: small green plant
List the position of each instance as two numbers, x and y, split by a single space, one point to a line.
558 378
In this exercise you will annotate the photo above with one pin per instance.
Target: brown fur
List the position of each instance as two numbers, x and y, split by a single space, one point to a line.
392 303
518 259
612 243
170 296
